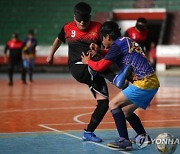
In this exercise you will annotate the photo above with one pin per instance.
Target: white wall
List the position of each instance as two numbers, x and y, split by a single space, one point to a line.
44 51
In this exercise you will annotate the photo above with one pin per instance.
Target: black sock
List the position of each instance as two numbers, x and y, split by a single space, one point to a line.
120 122
136 124
98 114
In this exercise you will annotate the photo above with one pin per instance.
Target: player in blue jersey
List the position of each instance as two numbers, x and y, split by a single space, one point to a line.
126 54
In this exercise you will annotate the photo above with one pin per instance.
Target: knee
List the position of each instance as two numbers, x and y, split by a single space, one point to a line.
113 105
103 105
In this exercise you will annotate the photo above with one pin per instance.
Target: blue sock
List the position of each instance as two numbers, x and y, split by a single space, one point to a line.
120 122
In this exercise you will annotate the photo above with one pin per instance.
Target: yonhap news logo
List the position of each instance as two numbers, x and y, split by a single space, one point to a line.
165 140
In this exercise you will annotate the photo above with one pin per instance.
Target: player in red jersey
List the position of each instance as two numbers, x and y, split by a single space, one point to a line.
79 34
139 33
14 45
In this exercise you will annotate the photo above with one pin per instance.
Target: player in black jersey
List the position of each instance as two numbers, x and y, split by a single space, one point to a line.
79 34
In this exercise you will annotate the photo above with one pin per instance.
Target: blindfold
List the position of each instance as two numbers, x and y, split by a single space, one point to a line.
82 17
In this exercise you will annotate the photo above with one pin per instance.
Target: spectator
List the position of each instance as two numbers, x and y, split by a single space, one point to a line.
29 53
14 46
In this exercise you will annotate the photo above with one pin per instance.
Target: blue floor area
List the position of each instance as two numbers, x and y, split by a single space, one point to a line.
70 142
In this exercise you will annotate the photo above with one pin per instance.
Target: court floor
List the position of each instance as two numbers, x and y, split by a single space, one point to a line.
49 116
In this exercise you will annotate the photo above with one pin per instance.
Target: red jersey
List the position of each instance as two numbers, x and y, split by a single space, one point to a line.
79 41
14 47
137 36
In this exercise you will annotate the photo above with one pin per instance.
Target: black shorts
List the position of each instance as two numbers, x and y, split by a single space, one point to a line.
97 84
15 61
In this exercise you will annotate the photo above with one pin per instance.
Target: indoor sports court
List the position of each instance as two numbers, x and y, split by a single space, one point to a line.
49 116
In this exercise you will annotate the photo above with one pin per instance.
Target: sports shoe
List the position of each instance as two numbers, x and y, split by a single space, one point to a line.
141 140
10 83
23 82
120 78
121 143
90 136
31 82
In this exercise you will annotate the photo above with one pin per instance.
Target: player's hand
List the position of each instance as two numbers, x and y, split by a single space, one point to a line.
92 53
85 58
94 47
49 59
5 58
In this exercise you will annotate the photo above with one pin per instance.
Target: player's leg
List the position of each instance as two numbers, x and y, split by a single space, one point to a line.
116 105
140 98
134 120
24 67
141 139
96 118
31 66
99 89
10 73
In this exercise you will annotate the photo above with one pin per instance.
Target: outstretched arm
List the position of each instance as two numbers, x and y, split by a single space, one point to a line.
54 48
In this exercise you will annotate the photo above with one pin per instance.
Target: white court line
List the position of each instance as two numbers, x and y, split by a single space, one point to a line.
26 132
44 109
72 108
80 115
170 101
146 121
81 122
48 99
167 105
76 137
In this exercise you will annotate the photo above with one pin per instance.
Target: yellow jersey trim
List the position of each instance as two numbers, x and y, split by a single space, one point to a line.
148 82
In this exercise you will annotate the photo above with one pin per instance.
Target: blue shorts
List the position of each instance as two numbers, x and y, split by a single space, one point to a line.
139 97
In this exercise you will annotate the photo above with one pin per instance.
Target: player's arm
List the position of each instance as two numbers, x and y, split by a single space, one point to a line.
56 44
5 53
98 66
111 56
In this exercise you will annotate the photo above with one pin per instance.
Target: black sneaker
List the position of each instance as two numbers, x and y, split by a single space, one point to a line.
10 83
122 144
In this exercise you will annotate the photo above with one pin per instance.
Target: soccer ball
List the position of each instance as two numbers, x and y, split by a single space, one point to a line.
166 143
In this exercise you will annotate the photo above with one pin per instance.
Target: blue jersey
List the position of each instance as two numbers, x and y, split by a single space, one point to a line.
125 51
